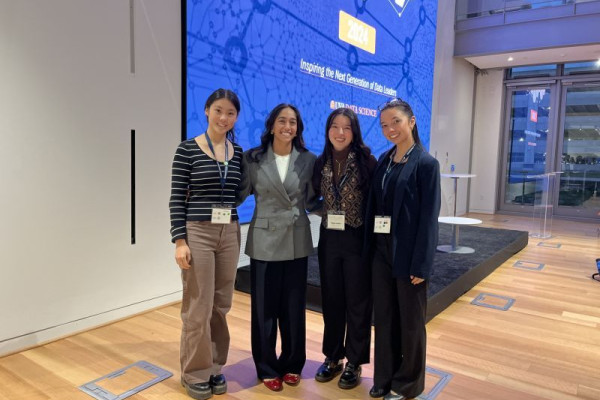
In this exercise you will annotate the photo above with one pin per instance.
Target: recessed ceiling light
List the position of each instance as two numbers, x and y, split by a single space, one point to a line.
510 59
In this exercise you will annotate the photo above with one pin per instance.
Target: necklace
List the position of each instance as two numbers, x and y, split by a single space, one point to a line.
391 164
339 168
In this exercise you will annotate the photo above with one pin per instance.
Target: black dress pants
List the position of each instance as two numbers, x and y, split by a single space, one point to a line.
400 336
346 295
278 295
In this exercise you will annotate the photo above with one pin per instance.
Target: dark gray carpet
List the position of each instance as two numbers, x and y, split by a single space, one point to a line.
453 274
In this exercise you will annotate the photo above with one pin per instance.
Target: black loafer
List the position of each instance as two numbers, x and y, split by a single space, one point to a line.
218 383
350 377
328 370
377 392
198 391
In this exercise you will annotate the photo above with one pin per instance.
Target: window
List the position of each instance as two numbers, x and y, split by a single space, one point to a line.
585 67
531 71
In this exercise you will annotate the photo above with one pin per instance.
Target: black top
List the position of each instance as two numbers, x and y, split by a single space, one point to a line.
384 200
196 186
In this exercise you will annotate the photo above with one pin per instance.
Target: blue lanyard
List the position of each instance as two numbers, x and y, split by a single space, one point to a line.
222 177
391 166
337 189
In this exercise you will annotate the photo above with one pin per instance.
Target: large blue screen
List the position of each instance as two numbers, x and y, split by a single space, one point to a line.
316 54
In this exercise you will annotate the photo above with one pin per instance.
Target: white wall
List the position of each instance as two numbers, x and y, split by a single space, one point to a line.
67 105
451 111
486 141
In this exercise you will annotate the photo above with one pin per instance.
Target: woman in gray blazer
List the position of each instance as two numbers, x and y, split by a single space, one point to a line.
278 173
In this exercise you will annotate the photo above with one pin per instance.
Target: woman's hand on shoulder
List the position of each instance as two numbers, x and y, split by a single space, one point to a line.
416 280
183 255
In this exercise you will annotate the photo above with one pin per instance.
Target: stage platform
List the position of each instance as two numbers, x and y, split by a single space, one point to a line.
453 274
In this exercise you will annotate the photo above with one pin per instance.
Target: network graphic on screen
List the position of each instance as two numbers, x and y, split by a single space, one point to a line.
318 55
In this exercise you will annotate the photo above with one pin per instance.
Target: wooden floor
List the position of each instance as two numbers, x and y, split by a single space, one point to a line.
546 346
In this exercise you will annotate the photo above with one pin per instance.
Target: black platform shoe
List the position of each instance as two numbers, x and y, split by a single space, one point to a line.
377 392
198 391
328 370
350 377
218 384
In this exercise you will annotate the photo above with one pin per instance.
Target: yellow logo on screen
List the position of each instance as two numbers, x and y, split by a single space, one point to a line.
357 33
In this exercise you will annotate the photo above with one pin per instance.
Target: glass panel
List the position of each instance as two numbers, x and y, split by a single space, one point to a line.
581 149
582 67
532 71
526 4
527 146
476 8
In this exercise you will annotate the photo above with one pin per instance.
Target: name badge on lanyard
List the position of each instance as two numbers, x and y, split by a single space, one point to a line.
336 220
383 224
222 176
221 214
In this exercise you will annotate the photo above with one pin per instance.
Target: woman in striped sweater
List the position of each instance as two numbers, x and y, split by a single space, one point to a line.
205 229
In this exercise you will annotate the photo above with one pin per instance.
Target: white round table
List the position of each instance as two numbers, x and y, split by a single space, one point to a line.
456 222
456 177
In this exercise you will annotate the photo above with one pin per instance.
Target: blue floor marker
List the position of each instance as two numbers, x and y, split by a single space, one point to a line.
93 389
480 301
445 377
551 245
529 265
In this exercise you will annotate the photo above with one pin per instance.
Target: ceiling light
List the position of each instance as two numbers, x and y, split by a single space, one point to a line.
511 59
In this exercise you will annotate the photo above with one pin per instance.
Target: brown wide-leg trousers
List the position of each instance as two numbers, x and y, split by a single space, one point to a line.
207 297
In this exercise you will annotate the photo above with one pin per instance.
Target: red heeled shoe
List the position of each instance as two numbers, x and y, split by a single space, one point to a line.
273 384
291 379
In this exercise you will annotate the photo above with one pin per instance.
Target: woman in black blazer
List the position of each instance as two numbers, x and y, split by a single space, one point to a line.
403 209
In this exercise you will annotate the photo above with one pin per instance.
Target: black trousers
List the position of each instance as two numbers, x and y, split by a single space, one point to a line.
278 294
346 295
400 336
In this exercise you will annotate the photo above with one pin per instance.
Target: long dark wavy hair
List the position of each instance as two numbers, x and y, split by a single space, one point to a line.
266 139
224 94
407 110
357 145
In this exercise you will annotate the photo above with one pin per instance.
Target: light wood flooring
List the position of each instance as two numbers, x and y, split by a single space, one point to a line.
546 346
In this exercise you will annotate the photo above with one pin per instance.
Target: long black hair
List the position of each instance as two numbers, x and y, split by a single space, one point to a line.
407 110
266 139
357 145
228 95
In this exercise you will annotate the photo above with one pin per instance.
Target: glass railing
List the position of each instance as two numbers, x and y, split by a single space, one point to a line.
466 9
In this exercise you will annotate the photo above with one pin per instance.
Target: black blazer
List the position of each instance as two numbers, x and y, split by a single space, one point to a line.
417 200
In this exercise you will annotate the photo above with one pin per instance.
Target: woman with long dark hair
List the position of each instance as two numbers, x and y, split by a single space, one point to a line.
278 173
402 216
342 175
204 227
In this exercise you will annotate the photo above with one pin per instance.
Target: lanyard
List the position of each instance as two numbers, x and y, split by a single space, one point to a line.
337 189
222 177
391 165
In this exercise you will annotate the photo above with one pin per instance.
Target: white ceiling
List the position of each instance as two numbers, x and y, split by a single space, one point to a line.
532 57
